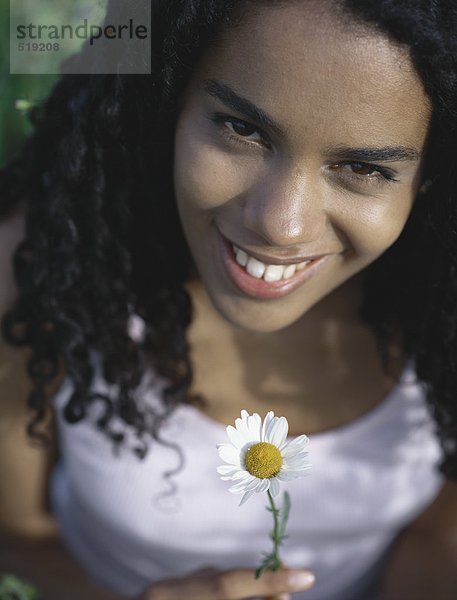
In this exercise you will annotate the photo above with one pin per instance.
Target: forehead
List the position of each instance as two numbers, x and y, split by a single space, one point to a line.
312 69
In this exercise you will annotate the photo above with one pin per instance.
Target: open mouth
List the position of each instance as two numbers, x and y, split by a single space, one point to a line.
266 281
267 272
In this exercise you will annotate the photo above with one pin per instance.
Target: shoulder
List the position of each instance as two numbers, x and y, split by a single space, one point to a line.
24 467
440 518
12 359
12 232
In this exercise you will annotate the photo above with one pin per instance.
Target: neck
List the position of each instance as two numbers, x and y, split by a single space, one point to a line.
337 311
321 371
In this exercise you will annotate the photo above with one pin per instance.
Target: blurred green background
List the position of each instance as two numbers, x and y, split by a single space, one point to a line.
19 91
29 88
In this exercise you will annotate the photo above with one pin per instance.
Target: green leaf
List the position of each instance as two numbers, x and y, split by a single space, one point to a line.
284 515
270 563
13 588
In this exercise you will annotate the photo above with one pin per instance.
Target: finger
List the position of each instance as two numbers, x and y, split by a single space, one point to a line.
280 596
232 585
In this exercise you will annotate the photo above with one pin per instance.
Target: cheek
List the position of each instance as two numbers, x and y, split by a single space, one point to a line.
373 229
206 177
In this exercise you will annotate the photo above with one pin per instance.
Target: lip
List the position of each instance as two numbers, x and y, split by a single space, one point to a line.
273 260
259 288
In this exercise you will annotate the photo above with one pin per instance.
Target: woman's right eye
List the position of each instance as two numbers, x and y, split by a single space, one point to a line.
242 128
239 131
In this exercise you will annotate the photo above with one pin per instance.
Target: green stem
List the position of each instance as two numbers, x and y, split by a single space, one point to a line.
272 562
275 533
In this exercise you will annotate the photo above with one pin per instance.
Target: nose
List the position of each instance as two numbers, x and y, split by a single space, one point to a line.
286 208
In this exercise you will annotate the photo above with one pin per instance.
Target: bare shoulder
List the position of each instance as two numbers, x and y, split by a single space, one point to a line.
12 232
12 360
440 517
24 468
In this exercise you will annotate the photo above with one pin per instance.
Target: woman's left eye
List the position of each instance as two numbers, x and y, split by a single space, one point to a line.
364 171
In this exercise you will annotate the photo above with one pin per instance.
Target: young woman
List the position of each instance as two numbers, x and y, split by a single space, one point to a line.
267 222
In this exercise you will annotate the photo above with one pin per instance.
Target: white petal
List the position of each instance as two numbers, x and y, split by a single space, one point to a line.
229 454
263 486
254 425
227 470
236 437
235 473
249 426
244 485
294 455
303 470
266 424
296 463
296 445
237 489
278 434
246 417
274 487
242 427
285 475
241 475
246 496
301 465
270 429
295 466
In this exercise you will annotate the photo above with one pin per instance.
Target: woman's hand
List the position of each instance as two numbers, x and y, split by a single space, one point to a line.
237 584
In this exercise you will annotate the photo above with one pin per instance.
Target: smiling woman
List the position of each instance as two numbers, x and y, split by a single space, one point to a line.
322 167
267 222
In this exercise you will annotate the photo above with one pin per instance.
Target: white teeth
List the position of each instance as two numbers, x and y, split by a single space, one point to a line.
302 265
274 273
258 269
255 268
241 257
289 271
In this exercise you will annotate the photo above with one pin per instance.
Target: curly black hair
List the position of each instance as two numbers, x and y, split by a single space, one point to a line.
96 178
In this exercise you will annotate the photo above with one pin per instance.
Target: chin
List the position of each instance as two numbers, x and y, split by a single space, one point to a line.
257 319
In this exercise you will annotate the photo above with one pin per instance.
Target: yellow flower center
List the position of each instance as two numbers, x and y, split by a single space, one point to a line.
263 460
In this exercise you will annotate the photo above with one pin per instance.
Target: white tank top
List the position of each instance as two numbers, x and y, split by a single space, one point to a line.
369 479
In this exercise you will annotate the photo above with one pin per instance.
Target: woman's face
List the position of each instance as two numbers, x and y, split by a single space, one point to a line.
300 139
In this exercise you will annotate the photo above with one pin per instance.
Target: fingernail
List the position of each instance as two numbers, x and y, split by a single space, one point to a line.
300 580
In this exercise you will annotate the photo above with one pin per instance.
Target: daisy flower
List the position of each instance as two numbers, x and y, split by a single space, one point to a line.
258 456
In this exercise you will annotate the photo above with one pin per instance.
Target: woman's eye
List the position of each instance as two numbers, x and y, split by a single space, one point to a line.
362 169
364 172
239 131
242 128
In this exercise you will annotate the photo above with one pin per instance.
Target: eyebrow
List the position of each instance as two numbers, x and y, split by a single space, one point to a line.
388 154
231 99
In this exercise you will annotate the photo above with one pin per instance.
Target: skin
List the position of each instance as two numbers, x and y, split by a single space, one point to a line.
327 85
327 88
296 196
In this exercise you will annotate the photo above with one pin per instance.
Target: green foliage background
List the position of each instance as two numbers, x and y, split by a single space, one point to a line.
14 125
